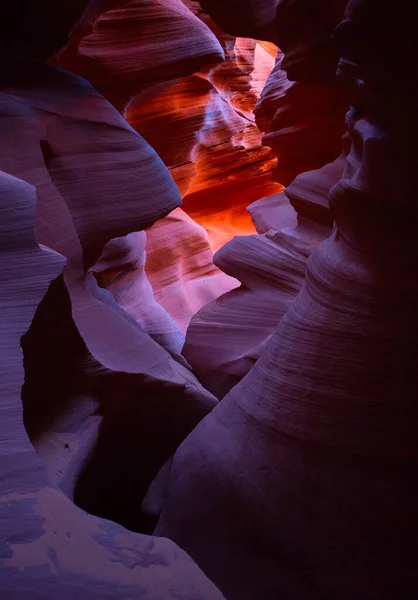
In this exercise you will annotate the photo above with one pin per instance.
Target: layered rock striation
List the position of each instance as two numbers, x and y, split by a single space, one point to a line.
49 547
302 477
170 69
83 356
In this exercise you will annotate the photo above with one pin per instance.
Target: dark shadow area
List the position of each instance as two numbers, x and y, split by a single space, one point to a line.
103 435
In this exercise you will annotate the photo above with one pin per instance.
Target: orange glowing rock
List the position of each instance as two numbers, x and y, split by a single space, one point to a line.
180 267
211 143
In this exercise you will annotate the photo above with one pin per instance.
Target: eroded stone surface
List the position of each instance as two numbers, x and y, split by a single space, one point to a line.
49 547
304 473
52 121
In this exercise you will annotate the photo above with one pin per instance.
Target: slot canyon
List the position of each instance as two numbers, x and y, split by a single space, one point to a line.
208 328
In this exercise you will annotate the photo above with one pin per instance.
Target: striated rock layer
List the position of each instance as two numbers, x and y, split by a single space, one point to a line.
227 336
161 64
304 124
303 476
136 44
135 54
180 267
52 124
49 547
271 269
213 147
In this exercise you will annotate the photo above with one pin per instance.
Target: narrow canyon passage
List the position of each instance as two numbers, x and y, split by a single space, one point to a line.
208 366
204 129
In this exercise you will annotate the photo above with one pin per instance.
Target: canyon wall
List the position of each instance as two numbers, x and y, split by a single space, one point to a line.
107 396
138 137
303 476
168 68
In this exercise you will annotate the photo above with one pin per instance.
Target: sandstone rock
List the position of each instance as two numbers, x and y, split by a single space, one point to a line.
138 45
64 138
49 547
303 121
303 476
121 270
271 269
211 130
180 267
207 117
227 336
272 212
309 194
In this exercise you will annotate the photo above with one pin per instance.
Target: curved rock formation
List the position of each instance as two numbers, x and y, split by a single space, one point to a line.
230 143
303 122
207 117
121 270
180 267
138 45
303 476
52 122
227 336
301 109
271 269
49 547
210 128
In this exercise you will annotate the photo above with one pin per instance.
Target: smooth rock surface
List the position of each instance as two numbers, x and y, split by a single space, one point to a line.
55 122
303 477
139 44
50 548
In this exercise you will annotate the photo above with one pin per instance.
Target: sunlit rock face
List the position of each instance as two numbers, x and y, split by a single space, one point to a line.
190 90
301 110
212 145
232 168
302 107
180 267
172 70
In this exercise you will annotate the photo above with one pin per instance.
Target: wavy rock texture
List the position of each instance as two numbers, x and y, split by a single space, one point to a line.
52 121
230 143
206 116
227 336
298 451
271 269
121 270
272 212
180 267
303 121
139 44
301 109
179 263
211 131
49 547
